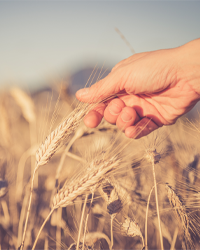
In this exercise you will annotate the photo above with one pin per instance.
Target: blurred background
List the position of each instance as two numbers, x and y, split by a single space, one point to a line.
43 42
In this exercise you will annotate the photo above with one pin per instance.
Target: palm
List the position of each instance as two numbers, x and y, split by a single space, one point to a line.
163 107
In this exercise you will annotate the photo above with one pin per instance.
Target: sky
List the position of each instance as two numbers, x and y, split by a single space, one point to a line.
41 41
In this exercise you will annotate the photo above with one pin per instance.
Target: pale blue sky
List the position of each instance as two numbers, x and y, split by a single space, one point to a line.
42 40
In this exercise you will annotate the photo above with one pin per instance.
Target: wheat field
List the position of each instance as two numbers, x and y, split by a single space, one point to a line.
65 186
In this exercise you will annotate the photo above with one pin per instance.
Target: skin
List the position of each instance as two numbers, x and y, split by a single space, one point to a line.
148 90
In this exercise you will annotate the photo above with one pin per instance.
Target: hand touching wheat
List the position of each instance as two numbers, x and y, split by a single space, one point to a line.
160 86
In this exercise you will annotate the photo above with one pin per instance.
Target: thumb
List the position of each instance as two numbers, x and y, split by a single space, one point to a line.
106 87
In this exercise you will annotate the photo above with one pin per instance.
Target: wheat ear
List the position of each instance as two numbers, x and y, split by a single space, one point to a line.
180 211
94 175
132 229
114 204
63 131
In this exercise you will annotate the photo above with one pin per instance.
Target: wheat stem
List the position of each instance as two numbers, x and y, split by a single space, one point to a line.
22 216
29 208
49 215
81 223
58 229
86 221
147 211
157 207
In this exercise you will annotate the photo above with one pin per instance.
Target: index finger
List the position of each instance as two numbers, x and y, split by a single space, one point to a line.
101 90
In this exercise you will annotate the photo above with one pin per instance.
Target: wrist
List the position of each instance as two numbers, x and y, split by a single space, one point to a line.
189 65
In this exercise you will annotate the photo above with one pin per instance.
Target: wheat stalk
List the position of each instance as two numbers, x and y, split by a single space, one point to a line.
147 210
114 206
154 157
51 144
86 221
81 223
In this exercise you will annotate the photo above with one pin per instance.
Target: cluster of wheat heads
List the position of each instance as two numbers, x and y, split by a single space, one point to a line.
93 188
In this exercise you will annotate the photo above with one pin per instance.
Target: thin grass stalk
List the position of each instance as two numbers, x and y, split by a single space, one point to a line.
125 40
86 221
20 171
32 129
81 222
147 211
157 207
21 219
46 243
49 215
58 229
29 208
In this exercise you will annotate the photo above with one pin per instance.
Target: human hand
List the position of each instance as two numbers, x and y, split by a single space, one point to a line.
152 88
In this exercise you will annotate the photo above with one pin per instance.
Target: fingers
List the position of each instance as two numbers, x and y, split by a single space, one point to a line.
94 117
117 113
142 128
127 118
113 110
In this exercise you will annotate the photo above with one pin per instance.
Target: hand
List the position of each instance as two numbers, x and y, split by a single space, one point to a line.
152 88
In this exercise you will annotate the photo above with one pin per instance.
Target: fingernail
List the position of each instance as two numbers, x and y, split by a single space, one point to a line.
114 109
82 92
126 117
